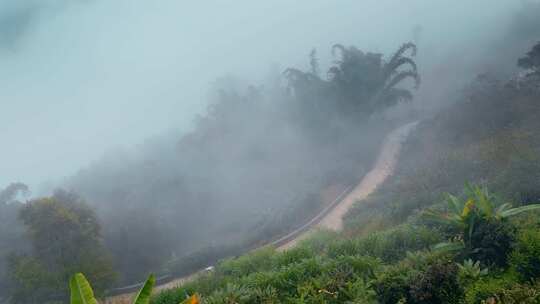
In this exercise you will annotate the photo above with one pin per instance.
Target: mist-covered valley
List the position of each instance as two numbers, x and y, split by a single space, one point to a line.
163 137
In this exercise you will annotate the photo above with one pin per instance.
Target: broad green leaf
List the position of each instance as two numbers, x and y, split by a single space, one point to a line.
518 210
448 247
436 217
81 291
454 204
484 201
143 297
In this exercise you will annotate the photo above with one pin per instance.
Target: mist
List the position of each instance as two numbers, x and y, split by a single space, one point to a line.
80 78
192 131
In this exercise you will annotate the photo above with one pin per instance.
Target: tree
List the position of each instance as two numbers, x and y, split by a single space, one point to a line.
9 194
360 83
66 238
371 82
531 60
11 230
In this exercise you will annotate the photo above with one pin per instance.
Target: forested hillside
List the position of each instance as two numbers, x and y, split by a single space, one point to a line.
257 165
261 162
458 223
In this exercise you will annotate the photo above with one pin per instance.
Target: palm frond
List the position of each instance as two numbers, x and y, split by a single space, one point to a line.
399 53
391 67
438 218
483 200
518 210
501 209
455 205
399 77
448 247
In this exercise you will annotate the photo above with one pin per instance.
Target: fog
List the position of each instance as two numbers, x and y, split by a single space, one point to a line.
79 78
191 131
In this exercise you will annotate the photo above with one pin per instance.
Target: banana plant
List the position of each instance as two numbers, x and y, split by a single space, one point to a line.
465 215
82 293
479 205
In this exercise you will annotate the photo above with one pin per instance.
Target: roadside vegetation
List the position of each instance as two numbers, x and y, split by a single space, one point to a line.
204 200
458 223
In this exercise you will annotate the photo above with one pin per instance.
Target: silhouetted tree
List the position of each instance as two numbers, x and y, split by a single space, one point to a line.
358 84
66 238
531 59
367 82
11 230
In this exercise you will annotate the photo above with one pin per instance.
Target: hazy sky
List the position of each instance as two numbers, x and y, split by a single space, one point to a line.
80 77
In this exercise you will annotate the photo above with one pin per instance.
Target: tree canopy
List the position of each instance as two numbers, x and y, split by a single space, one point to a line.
66 237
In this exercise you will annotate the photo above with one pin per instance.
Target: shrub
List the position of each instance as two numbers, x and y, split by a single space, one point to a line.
489 287
525 258
491 242
438 284
470 272
389 246
422 277
519 294
293 255
392 285
319 241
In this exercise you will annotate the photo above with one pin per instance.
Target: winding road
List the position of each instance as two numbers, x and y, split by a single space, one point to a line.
383 168
332 216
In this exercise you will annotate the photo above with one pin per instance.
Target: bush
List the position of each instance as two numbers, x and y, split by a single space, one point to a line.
525 258
389 246
392 285
438 284
423 277
293 255
519 294
489 287
470 272
491 242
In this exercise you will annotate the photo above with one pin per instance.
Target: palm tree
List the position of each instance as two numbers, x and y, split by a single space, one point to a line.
11 192
370 80
531 60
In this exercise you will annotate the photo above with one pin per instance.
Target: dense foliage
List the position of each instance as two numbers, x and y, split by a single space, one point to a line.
66 238
11 230
473 247
245 173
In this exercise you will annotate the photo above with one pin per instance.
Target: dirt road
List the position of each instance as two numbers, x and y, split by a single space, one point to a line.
332 218
384 167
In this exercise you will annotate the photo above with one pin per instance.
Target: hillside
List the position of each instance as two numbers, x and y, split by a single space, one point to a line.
391 250
270 152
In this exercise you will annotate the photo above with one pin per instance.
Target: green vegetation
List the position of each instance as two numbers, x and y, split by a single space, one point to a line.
531 60
66 238
11 230
362 83
204 201
400 265
480 224
82 292
412 243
